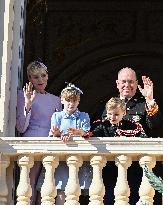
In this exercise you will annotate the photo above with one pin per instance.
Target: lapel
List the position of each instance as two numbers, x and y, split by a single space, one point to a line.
131 103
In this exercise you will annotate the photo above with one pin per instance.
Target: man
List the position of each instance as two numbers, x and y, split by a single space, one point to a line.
142 109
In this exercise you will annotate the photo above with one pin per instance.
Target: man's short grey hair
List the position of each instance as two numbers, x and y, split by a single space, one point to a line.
127 68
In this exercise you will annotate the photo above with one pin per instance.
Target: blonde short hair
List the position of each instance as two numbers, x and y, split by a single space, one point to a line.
115 102
34 67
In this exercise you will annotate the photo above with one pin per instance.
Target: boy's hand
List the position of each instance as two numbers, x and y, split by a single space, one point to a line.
55 131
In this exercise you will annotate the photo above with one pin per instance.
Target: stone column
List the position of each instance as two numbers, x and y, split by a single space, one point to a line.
24 190
97 189
72 189
4 163
48 189
122 190
16 68
146 191
6 37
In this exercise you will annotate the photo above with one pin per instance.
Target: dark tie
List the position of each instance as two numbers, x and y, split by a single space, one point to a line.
114 127
126 100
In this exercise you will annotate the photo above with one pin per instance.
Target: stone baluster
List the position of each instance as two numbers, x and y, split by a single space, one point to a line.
146 191
48 189
72 189
97 189
122 190
4 163
24 190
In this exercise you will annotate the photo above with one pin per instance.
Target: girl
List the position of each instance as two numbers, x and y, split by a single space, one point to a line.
66 124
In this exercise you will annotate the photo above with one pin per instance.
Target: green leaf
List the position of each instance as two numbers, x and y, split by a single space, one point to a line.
156 182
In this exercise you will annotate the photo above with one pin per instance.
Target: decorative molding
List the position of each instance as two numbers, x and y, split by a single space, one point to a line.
106 145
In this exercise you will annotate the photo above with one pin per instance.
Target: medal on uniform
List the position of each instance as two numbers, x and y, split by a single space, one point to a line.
136 118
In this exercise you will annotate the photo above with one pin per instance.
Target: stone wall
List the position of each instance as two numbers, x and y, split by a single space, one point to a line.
87 42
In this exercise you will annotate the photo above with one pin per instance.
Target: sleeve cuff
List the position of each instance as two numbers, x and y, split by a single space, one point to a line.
153 110
26 112
150 104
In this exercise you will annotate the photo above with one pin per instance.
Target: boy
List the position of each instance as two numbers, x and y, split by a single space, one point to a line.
115 125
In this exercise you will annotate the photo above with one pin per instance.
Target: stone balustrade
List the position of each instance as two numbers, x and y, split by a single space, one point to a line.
96 150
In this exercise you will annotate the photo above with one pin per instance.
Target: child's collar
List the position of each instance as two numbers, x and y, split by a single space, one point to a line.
112 125
74 114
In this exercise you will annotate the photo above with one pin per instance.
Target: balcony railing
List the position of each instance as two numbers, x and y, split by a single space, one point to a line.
96 150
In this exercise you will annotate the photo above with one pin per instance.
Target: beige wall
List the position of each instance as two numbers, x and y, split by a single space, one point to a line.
17 61
6 45
1 36
11 47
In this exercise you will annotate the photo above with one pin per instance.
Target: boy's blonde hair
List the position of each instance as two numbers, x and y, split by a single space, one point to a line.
71 93
34 67
115 102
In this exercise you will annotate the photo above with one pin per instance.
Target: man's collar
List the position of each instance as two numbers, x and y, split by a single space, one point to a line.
123 98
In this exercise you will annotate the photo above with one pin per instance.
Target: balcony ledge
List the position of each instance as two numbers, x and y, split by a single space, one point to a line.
38 146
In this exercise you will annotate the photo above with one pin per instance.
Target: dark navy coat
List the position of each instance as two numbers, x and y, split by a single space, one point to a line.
136 111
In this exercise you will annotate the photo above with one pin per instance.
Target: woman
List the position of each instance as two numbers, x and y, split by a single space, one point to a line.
35 107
